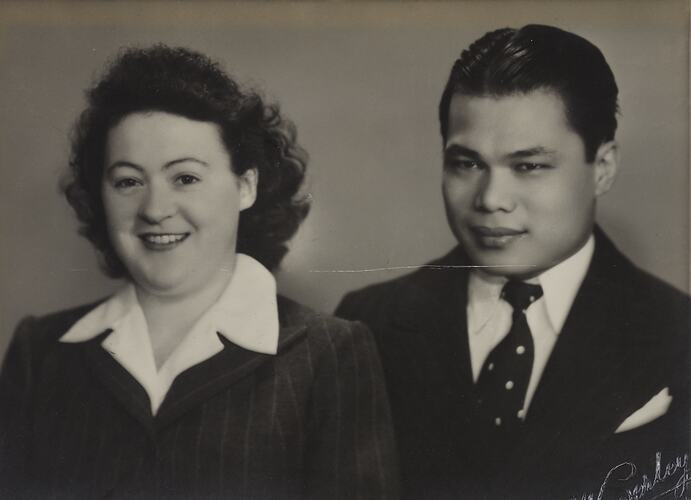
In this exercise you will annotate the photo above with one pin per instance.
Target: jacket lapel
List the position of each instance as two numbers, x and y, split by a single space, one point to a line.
126 390
432 310
191 388
575 393
200 382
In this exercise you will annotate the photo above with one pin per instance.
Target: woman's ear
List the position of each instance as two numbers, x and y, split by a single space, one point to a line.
606 166
247 185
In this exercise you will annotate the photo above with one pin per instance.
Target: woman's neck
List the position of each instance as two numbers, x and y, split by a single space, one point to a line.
170 318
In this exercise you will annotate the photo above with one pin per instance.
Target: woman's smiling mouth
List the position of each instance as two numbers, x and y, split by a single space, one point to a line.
162 241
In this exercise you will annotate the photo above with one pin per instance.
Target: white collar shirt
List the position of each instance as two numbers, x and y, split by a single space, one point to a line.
489 317
246 314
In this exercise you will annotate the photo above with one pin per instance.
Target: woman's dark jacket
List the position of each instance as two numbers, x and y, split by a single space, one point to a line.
310 422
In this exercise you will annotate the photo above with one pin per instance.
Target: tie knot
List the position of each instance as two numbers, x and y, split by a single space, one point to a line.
520 295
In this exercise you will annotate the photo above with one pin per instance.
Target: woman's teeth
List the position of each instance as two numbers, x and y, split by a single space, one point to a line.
163 239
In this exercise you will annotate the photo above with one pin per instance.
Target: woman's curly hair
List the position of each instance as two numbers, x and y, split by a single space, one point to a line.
187 83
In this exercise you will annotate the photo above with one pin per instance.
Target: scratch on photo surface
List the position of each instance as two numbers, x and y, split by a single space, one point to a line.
397 268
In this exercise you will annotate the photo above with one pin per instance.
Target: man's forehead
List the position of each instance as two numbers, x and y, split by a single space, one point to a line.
541 101
509 122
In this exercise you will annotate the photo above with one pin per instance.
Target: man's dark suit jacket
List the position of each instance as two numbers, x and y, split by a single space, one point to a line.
625 339
311 422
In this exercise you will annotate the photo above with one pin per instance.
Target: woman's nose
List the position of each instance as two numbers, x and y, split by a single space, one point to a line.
496 192
157 205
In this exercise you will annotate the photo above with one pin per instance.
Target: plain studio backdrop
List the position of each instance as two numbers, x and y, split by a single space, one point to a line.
362 83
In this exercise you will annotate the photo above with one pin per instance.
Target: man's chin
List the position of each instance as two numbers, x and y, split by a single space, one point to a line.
510 268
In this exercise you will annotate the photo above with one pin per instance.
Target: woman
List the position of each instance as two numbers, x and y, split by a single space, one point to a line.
194 380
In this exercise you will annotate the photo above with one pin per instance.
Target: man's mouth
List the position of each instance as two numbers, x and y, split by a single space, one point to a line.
496 237
162 241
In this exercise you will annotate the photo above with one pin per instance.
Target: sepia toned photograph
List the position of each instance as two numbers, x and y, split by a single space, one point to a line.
344 250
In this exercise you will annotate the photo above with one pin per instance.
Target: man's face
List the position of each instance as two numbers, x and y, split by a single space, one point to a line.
519 193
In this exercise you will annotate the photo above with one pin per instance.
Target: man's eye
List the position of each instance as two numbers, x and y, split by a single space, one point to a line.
126 183
530 167
462 164
186 179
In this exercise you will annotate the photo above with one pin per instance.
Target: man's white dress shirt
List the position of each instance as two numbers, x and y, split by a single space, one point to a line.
489 317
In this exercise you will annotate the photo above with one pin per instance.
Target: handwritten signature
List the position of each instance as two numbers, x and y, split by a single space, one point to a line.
672 479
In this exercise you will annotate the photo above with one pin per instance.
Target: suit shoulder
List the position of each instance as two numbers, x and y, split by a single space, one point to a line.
373 300
314 323
36 336
650 293
318 336
659 302
50 327
630 280
375 292
649 284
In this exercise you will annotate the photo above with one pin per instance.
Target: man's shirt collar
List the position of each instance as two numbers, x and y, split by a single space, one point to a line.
560 285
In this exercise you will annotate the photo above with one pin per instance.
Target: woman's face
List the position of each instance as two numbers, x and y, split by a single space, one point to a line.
172 202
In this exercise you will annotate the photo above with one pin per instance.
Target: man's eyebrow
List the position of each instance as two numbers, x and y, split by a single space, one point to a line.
536 151
458 150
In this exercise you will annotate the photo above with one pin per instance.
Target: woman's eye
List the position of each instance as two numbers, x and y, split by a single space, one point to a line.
186 179
126 183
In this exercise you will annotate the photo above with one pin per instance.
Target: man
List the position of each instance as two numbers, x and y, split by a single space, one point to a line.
534 360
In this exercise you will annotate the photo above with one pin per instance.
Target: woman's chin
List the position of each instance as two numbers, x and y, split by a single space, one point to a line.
162 285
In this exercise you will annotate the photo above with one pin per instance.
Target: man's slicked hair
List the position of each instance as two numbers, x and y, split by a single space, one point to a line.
536 57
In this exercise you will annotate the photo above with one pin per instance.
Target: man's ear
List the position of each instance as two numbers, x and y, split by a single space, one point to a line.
606 166
247 185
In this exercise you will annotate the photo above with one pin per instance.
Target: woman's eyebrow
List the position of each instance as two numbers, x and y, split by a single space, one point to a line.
185 160
123 163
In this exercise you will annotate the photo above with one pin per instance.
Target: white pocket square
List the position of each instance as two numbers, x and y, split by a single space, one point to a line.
653 409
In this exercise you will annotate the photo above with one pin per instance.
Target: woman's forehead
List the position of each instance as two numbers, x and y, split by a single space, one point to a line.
156 136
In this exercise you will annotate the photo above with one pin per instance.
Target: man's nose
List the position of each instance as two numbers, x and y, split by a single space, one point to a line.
157 205
496 191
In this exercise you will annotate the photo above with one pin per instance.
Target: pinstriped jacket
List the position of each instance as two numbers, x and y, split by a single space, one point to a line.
311 422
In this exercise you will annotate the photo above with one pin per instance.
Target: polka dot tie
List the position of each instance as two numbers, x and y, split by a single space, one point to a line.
506 372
